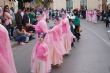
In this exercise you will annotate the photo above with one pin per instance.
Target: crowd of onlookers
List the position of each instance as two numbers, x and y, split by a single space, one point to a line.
18 24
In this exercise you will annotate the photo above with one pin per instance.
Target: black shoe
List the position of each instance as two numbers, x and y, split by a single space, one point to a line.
31 38
72 44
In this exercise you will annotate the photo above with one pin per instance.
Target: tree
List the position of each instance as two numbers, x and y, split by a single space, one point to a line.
38 2
21 3
45 3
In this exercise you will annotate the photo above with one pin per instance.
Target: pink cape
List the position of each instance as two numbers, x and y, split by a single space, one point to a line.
90 15
57 46
7 64
87 15
43 49
67 35
40 27
94 17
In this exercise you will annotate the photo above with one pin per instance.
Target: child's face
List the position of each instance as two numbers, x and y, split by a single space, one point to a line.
56 22
39 17
41 39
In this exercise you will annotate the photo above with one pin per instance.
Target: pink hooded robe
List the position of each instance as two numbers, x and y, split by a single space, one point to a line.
57 45
87 15
94 17
40 27
41 58
7 64
90 15
67 35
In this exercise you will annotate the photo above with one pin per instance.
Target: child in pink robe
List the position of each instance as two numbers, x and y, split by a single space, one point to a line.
57 43
67 34
41 55
87 15
7 64
90 15
94 17
41 26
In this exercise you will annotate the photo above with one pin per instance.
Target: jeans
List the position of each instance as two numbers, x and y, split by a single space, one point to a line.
10 30
21 38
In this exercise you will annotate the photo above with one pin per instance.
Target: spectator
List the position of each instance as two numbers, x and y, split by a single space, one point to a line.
20 35
83 12
77 27
103 15
26 22
8 20
22 12
107 21
98 14
18 18
25 18
12 13
72 28
32 16
1 13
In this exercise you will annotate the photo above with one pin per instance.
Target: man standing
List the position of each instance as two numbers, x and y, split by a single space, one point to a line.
18 18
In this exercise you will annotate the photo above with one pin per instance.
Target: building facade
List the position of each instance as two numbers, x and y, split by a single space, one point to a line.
69 4
94 4
76 4
108 4
58 4
83 4
4 2
88 4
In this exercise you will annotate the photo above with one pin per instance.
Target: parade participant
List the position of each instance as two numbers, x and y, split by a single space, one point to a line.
90 15
67 34
87 15
41 55
94 16
7 64
40 27
57 43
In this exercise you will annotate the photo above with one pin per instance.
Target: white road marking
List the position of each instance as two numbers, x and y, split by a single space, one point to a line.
106 42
